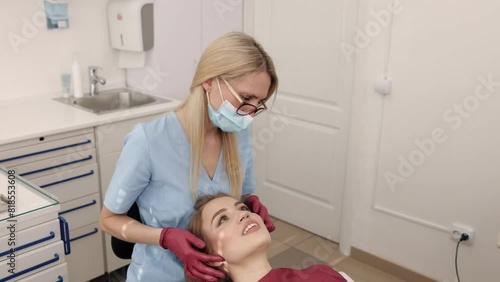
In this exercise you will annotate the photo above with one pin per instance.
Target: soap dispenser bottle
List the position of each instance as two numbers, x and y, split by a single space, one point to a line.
76 73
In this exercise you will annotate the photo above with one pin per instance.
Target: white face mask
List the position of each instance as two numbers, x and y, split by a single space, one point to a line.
226 118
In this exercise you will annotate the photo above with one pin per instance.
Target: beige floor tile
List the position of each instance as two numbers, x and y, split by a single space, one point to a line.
358 279
293 258
289 234
119 275
276 248
359 271
322 249
274 219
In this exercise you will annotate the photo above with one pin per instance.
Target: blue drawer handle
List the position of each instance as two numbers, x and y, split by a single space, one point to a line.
51 236
46 151
67 179
63 224
59 279
56 166
85 235
34 267
80 207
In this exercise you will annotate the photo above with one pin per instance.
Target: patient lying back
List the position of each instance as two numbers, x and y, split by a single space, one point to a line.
232 231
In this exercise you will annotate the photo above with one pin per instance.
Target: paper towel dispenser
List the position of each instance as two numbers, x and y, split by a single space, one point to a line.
131 24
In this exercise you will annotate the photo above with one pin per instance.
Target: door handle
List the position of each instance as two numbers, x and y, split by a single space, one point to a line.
79 207
85 235
51 236
67 179
46 151
63 224
56 166
35 267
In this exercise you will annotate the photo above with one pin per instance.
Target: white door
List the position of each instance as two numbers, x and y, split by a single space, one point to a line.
301 144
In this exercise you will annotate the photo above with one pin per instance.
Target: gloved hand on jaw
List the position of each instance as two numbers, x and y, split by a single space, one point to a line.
181 242
257 207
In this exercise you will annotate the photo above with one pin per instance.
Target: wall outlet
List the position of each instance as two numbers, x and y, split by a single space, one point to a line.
458 229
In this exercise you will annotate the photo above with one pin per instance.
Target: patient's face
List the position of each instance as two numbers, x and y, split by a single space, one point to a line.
232 231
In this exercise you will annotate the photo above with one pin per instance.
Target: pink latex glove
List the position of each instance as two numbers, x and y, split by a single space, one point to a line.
257 207
180 242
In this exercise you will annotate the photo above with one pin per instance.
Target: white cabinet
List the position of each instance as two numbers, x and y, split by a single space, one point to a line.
31 262
76 167
110 139
46 232
66 165
57 273
31 243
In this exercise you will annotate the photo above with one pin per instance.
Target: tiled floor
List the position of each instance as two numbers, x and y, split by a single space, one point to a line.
296 248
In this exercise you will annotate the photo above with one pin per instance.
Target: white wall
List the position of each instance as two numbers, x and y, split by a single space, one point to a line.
169 67
182 30
33 67
438 51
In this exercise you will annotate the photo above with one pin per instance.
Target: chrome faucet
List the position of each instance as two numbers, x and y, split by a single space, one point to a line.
94 79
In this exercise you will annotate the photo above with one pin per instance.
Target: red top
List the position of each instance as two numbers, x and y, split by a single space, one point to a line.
319 272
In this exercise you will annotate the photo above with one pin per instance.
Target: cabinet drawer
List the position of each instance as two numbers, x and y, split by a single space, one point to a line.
71 184
56 164
111 136
66 146
86 260
58 273
44 139
112 261
82 211
34 261
31 238
107 166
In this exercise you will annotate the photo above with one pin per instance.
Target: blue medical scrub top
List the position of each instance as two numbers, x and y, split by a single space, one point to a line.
153 170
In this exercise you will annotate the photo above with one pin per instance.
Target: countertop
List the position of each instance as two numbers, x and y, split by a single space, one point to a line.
34 199
34 117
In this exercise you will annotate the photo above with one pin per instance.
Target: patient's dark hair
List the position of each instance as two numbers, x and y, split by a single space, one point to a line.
195 228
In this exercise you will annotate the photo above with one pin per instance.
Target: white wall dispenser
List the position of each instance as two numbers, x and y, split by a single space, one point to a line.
131 30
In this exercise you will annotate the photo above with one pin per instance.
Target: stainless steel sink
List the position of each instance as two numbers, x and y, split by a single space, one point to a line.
113 101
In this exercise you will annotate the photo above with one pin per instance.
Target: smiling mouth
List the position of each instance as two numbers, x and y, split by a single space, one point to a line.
250 226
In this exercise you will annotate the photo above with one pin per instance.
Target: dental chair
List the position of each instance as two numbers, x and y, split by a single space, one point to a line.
346 277
123 249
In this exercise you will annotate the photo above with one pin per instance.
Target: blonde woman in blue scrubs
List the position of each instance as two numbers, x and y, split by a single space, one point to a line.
202 148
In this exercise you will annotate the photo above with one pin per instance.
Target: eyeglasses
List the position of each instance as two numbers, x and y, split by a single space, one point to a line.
246 108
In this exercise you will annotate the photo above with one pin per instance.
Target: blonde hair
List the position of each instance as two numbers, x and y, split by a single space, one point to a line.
231 56
195 227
